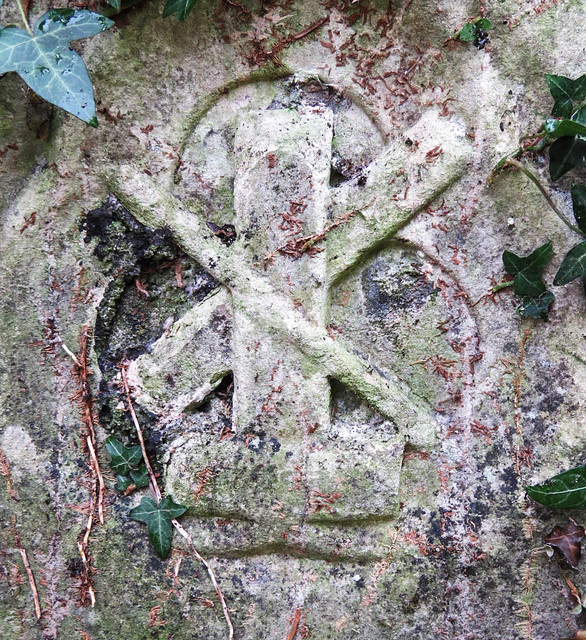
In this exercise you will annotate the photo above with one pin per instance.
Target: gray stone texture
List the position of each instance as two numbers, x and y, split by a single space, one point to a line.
320 380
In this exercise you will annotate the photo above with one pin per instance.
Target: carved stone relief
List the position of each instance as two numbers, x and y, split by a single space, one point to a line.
297 196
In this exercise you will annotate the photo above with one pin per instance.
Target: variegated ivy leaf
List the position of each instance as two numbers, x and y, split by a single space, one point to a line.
47 63
123 458
158 519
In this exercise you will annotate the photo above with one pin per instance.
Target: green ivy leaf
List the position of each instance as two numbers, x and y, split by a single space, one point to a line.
475 31
559 128
573 265
536 307
565 154
528 283
140 477
565 92
117 4
567 490
181 7
579 205
123 458
47 63
580 115
122 482
158 520
467 32
535 261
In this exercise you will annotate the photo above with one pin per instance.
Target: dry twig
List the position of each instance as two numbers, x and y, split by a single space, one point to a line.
29 572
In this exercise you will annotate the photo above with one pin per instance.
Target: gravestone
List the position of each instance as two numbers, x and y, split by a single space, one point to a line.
284 232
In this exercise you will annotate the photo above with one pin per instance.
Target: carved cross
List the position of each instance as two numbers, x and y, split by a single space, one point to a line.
280 474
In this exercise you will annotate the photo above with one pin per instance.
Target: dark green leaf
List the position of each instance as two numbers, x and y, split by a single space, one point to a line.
117 4
158 520
123 482
140 477
573 265
47 63
123 458
528 283
535 261
565 92
536 307
565 154
180 7
564 491
513 263
485 24
559 128
579 205
580 115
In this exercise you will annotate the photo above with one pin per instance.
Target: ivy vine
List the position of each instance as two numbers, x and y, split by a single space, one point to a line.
565 131
131 473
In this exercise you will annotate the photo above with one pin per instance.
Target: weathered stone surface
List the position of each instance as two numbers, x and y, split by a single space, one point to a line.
350 432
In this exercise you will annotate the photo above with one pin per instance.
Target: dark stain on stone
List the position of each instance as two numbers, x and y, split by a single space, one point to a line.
387 292
510 479
548 396
258 447
275 445
75 567
128 321
123 242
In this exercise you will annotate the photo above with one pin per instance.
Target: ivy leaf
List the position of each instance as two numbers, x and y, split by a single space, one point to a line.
567 490
565 154
535 261
536 307
122 482
475 31
579 205
529 283
527 270
567 541
123 458
565 92
573 265
580 115
140 477
559 128
158 520
466 33
181 7
117 4
47 63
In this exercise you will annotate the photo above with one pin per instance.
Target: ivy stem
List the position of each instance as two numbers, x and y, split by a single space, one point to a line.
502 285
514 163
23 15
